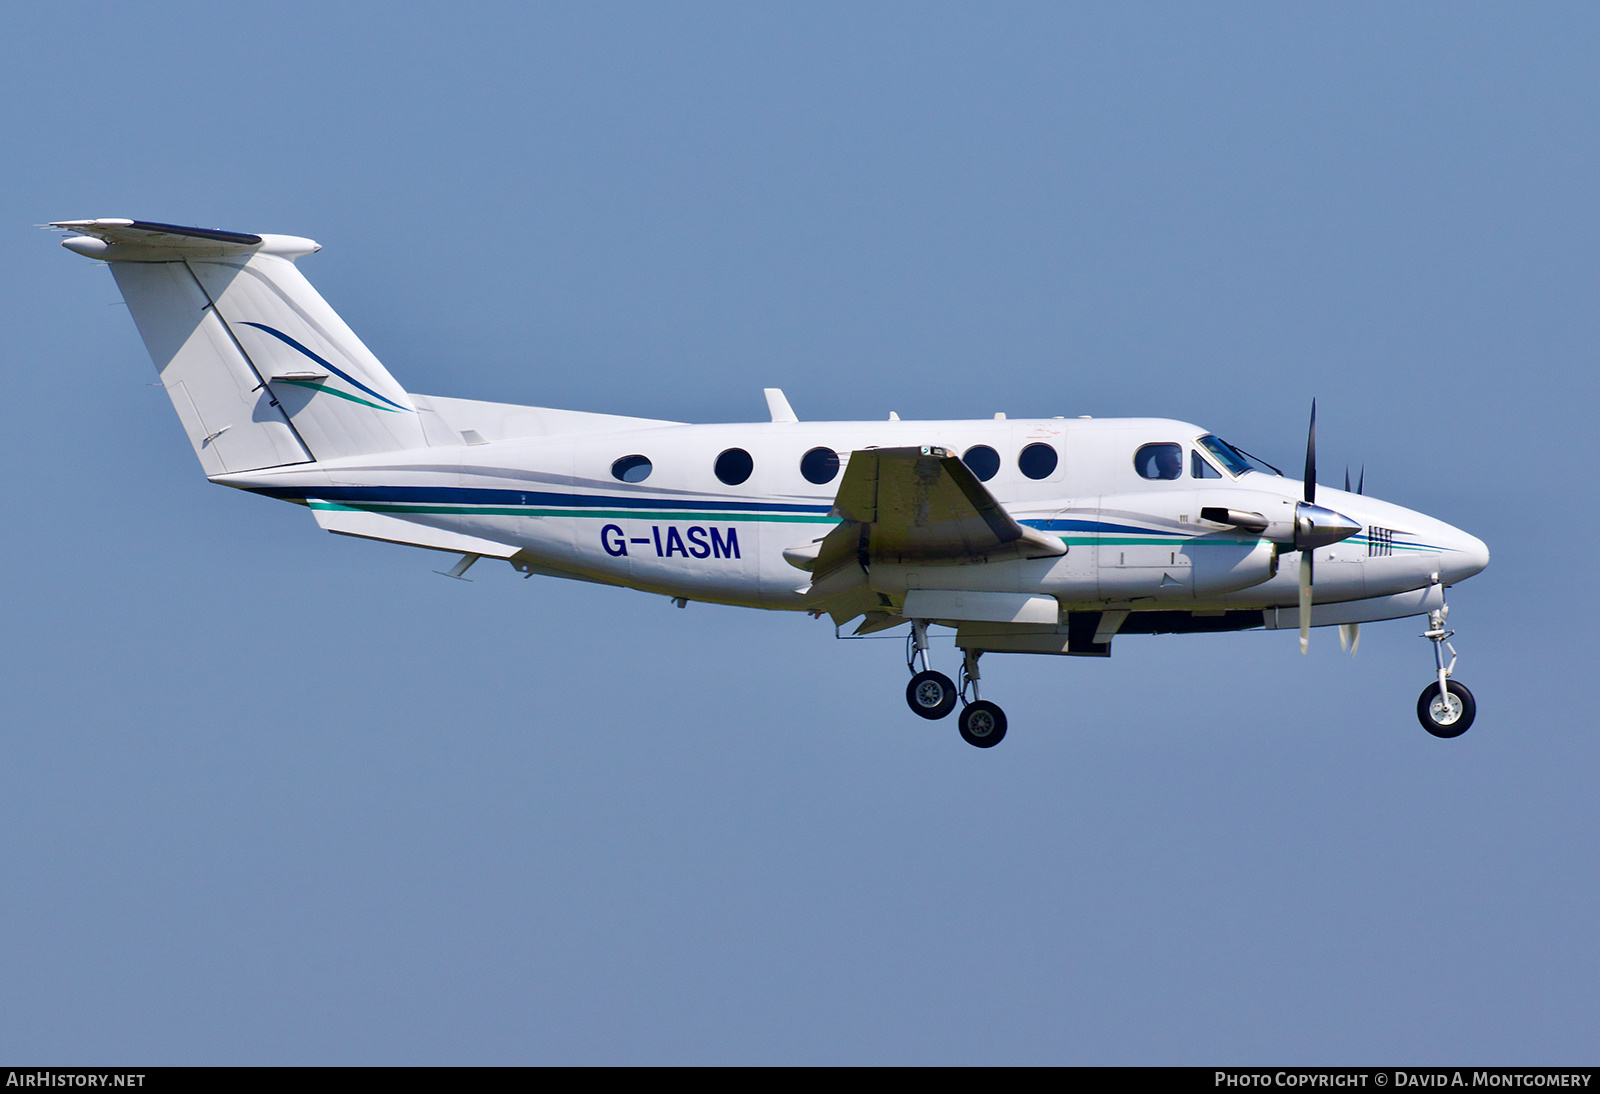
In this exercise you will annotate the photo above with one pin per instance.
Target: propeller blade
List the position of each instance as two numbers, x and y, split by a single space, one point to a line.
1350 637
1311 457
1305 601
1346 478
1361 487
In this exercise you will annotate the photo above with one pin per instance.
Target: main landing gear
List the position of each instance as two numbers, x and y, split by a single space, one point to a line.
932 694
1445 708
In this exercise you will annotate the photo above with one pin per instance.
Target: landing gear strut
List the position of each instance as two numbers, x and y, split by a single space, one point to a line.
982 723
1445 708
930 694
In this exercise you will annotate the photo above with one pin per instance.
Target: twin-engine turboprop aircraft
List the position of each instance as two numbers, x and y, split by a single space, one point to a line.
1046 536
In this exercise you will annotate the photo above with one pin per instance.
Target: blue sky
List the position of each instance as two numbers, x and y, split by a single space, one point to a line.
273 796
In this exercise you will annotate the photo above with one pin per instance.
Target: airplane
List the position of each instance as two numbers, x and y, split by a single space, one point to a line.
1040 535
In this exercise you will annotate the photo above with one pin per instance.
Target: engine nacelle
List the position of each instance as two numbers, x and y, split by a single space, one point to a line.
1200 567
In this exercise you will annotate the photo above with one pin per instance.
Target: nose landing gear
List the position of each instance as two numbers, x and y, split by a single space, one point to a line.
932 695
1445 708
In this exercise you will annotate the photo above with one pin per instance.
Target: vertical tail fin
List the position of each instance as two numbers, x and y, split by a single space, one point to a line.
261 371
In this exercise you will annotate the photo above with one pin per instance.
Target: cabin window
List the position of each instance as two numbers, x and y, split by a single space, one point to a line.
983 461
1159 461
819 465
1199 468
734 466
631 469
1037 461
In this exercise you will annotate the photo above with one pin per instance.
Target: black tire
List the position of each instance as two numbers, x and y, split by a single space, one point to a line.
931 694
983 725
1455 727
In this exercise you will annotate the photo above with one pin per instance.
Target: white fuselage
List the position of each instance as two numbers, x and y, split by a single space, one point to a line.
1132 542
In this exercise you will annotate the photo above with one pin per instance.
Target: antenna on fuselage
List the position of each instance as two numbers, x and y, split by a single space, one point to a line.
778 406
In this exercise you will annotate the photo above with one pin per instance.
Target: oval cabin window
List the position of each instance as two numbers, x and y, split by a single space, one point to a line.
1037 461
819 465
631 469
734 466
983 461
1159 461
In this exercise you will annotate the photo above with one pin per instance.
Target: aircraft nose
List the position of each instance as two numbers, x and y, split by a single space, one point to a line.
1464 555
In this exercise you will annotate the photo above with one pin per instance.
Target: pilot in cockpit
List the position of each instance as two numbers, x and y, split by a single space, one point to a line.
1169 461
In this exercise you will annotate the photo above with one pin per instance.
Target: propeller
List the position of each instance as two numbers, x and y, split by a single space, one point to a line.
1305 552
1315 527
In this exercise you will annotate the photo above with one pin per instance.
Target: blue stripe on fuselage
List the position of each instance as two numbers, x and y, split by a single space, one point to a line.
1099 526
467 495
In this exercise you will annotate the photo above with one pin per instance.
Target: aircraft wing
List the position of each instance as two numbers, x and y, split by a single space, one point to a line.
913 506
924 505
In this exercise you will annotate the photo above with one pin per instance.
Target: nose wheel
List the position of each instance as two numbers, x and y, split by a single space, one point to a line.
1445 708
1447 714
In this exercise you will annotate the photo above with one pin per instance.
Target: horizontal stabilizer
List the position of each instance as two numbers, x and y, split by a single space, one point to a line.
121 230
117 239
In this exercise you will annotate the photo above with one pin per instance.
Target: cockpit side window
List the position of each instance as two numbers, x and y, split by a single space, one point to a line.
1199 468
1159 461
1235 461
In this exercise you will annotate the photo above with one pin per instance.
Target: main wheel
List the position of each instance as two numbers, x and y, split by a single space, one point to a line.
1448 717
983 725
931 694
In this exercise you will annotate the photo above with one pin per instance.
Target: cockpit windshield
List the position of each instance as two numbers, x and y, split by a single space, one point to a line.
1236 460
